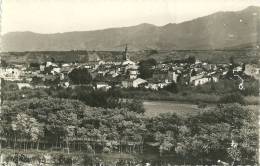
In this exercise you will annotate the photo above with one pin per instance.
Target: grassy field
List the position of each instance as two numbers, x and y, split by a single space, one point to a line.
154 108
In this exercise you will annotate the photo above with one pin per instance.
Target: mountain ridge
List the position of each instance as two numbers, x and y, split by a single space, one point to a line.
216 31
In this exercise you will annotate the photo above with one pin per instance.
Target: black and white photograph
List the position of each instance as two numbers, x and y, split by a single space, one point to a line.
129 82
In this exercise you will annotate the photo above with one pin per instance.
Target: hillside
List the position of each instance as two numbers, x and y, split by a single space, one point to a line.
216 31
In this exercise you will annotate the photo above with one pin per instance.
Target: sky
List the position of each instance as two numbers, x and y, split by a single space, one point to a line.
57 16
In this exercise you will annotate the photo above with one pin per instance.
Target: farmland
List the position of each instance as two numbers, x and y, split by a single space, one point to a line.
154 108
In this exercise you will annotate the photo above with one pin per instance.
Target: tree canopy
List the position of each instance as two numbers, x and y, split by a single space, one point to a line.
80 76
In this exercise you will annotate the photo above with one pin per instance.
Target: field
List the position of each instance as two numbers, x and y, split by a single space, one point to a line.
154 108
212 56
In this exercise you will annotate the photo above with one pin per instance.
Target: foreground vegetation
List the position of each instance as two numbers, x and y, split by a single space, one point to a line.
77 123
227 132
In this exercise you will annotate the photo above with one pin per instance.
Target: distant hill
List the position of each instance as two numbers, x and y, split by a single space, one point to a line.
216 31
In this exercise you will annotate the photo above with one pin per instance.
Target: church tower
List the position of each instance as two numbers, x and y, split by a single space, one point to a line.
125 53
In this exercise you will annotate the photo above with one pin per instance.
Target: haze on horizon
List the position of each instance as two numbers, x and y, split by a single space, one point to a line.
57 16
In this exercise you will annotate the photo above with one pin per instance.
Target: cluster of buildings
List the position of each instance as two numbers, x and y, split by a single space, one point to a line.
123 74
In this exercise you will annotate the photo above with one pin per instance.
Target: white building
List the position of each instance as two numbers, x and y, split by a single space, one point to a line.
56 70
172 76
203 80
152 86
42 67
103 85
10 74
48 64
133 74
23 85
200 81
138 82
196 77
128 62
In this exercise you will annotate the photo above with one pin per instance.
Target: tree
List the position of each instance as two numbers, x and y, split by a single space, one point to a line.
146 68
80 76
172 87
193 73
135 105
234 153
69 133
232 60
4 64
232 98
28 127
191 59
36 131
36 80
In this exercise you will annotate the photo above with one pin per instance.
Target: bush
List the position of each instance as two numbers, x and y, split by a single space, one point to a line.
80 76
202 105
232 98
135 106
172 88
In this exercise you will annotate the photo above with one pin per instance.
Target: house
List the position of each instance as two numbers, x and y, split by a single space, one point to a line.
62 76
172 76
102 73
200 81
136 83
103 86
65 65
152 86
41 86
206 66
66 70
112 73
23 85
91 65
11 74
127 83
56 70
196 77
139 82
214 79
42 67
237 69
66 84
133 73
128 63
197 62
203 80
48 64
162 84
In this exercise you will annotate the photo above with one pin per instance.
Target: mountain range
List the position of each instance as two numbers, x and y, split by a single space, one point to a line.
221 30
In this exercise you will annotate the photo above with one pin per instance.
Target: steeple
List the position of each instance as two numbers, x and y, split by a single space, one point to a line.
125 53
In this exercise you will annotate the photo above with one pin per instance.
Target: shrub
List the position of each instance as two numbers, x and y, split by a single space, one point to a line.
232 98
202 105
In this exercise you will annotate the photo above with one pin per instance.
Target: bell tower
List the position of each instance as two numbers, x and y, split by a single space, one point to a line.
125 53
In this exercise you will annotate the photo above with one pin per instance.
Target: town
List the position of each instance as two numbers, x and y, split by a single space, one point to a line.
124 73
